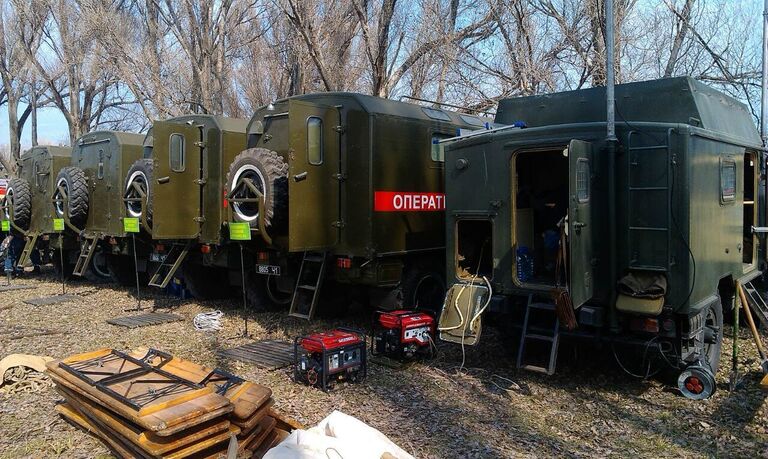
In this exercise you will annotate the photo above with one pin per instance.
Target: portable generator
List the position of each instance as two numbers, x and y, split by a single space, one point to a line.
322 359
402 334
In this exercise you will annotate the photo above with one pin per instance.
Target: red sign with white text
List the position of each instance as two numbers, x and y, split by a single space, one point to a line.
407 201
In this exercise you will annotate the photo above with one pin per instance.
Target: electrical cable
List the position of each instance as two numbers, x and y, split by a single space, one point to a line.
208 321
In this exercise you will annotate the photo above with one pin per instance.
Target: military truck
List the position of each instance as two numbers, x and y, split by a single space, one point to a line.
343 188
650 231
28 206
177 190
89 197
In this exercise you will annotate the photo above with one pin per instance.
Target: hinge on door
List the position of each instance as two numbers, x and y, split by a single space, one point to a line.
200 144
340 177
339 224
201 181
199 219
339 129
267 137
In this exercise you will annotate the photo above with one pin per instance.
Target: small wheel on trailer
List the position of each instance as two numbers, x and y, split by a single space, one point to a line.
697 381
205 282
423 287
122 271
98 271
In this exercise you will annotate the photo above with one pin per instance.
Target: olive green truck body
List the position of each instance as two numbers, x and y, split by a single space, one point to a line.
676 195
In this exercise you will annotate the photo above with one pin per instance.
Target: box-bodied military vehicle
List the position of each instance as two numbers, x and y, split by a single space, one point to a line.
177 192
88 197
28 204
343 188
635 242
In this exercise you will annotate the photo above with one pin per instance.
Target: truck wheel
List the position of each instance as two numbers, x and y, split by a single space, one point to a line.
269 173
713 335
204 282
98 271
18 201
72 180
423 287
140 174
262 294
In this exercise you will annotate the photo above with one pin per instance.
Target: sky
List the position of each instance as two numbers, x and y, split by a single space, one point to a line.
51 128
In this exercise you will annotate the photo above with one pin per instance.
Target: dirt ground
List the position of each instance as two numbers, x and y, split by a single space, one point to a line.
590 408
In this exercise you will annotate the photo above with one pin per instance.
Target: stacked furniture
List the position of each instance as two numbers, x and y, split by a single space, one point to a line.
150 404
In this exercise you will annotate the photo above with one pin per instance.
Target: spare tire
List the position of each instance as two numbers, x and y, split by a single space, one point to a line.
269 173
18 203
139 173
72 180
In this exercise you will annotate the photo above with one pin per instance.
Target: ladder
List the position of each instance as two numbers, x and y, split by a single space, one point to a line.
170 265
540 334
27 252
760 307
87 250
648 206
307 291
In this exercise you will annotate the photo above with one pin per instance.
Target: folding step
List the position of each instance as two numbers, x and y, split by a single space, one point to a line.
760 307
307 292
87 250
537 333
170 265
27 252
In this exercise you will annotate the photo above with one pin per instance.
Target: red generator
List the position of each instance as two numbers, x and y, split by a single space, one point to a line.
322 359
402 334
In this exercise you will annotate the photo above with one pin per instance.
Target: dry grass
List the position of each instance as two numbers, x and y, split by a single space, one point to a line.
590 408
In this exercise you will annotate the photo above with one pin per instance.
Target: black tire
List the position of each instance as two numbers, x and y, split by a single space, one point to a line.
713 335
205 282
121 268
73 181
269 172
140 172
98 271
18 202
423 287
262 295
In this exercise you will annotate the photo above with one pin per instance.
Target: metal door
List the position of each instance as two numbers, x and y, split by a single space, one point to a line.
580 225
314 176
177 183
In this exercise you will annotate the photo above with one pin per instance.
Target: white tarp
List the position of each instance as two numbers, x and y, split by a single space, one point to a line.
338 436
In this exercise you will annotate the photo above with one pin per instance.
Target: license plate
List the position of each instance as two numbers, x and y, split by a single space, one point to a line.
157 257
268 270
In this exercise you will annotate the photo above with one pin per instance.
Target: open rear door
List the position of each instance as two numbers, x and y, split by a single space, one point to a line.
580 225
177 186
313 180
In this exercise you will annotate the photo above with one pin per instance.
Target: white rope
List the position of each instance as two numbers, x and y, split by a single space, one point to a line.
208 321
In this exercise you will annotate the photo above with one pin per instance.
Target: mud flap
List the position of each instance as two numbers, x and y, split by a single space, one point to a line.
461 318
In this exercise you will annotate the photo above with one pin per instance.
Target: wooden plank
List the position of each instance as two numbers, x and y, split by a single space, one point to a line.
151 443
248 424
259 434
284 421
165 422
49 300
117 447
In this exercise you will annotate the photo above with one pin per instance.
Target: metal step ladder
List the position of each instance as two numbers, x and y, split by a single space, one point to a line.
540 334
759 305
311 276
27 252
170 265
649 180
87 250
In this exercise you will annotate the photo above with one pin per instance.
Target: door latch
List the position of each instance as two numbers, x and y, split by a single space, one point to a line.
300 177
338 224
339 129
340 177
200 144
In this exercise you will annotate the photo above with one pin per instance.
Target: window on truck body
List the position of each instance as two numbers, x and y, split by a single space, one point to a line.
315 140
727 180
177 153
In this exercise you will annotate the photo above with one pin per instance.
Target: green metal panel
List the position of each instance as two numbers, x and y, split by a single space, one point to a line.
39 167
580 222
176 200
313 190
105 157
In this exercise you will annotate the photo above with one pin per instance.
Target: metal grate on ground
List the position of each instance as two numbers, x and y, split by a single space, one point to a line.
49 300
8 288
268 354
144 320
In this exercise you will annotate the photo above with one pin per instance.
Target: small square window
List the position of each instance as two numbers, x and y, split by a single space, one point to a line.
177 156
582 180
436 114
438 151
727 180
315 140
